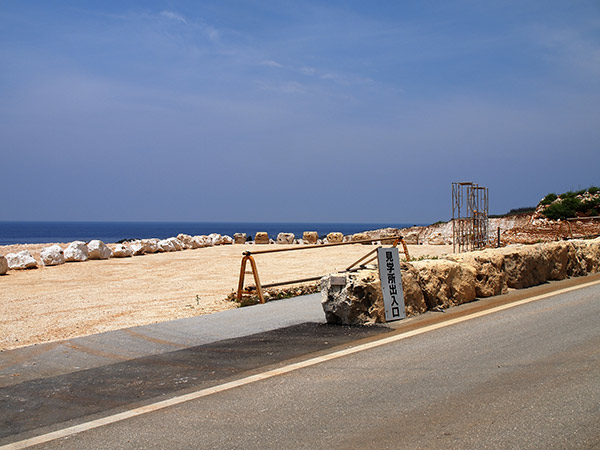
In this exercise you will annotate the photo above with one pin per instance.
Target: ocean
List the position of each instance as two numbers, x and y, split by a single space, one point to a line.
46 232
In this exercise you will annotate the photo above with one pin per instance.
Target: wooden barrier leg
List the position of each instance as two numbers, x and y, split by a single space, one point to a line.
256 279
242 276
240 291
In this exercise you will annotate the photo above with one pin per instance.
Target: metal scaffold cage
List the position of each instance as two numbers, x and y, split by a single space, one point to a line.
469 216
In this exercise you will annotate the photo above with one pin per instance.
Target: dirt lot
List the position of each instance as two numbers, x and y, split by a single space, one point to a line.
77 299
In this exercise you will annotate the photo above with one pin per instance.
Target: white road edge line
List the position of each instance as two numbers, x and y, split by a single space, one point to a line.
272 373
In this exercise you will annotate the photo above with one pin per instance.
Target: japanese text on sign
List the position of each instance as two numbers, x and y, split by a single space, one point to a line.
391 283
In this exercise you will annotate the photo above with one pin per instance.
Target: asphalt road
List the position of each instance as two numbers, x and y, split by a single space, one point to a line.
524 377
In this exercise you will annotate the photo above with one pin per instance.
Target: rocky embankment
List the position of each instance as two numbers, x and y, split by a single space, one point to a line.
458 278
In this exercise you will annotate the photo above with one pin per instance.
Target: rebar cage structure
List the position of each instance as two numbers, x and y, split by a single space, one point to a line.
469 216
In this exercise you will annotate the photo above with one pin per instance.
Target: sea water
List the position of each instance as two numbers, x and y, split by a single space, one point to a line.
45 232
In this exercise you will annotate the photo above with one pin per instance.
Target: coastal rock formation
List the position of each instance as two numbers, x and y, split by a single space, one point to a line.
52 256
76 251
489 267
21 260
335 237
359 237
226 240
353 298
187 241
445 283
3 265
310 237
171 244
285 238
261 238
239 238
121 251
457 279
98 250
143 246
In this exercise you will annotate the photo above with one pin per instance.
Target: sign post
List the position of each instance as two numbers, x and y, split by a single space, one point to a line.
391 283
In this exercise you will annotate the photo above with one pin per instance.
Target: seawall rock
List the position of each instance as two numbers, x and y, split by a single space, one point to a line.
335 237
76 251
310 237
52 256
285 238
261 237
239 238
21 260
121 251
98 250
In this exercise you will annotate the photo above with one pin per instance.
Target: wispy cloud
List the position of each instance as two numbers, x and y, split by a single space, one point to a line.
173 16
271 63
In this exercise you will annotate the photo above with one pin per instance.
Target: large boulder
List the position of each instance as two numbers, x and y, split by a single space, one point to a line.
98 250
187 241
76 251
3 265
446 283
335 237
52 256
171 244
261 237
352 298
21 260
202 241
239 238
285 238
122 251
310 237
359 237
226 240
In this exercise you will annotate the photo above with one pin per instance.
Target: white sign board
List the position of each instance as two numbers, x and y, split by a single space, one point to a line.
391 283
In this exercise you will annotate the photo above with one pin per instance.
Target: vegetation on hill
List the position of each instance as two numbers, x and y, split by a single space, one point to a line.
583 203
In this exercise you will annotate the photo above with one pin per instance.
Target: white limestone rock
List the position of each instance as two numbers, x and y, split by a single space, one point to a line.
3 265
186 240
52 256
261 237
215 239
226 240
335 237
76 251
202 241
310 237
122 251
171 244
286 238
98 250
21 260
239 238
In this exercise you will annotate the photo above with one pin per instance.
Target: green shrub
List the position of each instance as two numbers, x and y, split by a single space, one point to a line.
593 189
564 209
548 199
568 194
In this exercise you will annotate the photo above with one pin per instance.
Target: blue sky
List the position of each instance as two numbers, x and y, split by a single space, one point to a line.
293 110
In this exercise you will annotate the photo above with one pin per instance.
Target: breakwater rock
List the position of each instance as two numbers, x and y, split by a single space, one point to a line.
355 298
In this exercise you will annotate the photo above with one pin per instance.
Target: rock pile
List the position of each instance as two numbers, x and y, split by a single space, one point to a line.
355 298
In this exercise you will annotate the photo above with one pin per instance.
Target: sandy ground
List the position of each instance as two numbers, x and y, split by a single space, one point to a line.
78 299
